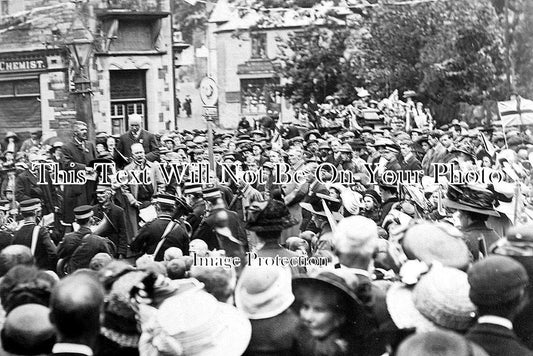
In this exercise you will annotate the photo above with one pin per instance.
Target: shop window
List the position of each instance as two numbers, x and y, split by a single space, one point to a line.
260 95
19 88
259 45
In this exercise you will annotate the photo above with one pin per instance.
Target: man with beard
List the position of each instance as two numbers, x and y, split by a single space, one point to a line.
76 156
112 219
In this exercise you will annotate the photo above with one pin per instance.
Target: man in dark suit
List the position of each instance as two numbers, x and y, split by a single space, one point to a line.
35 237
79 247
158 235
216 211
76 156
27 186
136 135
112 219
75 307
498 289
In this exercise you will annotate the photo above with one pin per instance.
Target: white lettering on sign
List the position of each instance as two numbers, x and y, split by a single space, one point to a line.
22 65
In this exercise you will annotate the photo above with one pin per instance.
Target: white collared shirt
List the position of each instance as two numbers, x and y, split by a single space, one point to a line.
64 347
358 271
497 320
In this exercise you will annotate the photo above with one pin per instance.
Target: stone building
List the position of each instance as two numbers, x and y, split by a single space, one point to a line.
95 60
243 51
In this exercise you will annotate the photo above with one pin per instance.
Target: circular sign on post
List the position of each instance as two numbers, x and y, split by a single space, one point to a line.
208 91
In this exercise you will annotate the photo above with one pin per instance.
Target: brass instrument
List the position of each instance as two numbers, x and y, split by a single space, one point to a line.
100 225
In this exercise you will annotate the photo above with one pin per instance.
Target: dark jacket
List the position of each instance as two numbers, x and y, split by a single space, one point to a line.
150 234
145 138
115 228
206 230
79 247
411 164
272 248
274 336
70 242
45 250
497 340
90 245
195 218
473 232
27 187
76 158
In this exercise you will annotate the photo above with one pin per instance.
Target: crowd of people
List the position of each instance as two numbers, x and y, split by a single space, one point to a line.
427 263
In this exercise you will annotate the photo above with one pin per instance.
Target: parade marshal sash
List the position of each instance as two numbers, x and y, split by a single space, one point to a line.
34 237
167 231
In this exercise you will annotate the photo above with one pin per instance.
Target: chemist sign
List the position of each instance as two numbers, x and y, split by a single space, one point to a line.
10 65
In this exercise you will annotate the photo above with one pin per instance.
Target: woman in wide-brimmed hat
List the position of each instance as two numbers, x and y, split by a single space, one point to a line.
267 220
438 300
474 205
194 323
11 142
264 294
333 321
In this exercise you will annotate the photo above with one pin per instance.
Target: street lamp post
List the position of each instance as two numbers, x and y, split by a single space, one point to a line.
81 52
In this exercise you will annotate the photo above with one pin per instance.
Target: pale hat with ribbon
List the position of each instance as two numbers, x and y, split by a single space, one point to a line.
440 299
264 292
194 323
352 201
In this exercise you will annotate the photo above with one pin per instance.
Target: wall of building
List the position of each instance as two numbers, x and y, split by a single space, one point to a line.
231 51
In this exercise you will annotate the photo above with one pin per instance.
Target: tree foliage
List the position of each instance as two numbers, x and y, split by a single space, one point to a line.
313 60
448 51
189 18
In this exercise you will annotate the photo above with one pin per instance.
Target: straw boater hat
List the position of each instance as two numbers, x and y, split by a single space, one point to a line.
264 292
194 323
440 299
471 198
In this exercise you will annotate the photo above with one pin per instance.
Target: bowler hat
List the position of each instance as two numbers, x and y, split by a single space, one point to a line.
496 280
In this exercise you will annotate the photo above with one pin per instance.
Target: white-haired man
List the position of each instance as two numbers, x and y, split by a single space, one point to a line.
356 241
136 134
138 194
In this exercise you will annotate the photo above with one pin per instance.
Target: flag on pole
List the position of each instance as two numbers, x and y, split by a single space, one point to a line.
329 215
489 147
516 112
